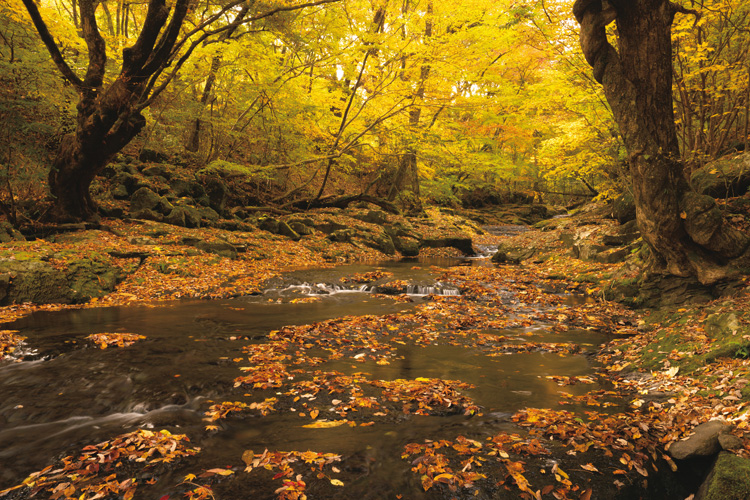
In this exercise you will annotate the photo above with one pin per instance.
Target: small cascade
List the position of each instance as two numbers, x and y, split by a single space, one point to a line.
317 289
422 290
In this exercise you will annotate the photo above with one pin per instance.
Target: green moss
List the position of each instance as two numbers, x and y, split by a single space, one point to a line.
729 479
664 344
235 169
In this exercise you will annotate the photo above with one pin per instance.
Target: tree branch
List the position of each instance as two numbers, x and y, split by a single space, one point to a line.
94 43
52 47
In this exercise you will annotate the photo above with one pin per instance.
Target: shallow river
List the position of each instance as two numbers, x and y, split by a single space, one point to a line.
67 394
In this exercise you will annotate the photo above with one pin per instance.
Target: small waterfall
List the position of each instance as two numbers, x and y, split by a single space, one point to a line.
422 290
316 289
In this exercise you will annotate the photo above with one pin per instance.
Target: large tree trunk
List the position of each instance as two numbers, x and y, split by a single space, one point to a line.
81 157
685 230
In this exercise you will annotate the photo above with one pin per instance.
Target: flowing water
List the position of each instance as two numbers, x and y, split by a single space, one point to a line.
67 394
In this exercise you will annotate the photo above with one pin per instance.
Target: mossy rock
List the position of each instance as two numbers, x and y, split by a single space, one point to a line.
300 228
382 243
623 208
221 248
729 479
218 193
32 281
89 278
159 170
145 199
728 176
409 247
268 224
373 217
286 230
341 235
184 216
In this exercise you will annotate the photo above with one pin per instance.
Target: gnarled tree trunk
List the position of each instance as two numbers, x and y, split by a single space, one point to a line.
685 230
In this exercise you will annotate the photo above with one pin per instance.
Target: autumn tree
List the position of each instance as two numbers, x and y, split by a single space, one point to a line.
110 111
685 230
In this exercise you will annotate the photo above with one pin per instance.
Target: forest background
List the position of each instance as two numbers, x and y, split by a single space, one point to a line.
412 101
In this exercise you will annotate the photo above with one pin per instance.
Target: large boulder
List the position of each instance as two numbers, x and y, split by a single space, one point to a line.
38 282
382 243
158 170
623 208
124 184
409 247
88 278
285 230
8 233
221 248
184 216
144 199
218 193
301 228
188 188
704 442
727 177
32 281
269 224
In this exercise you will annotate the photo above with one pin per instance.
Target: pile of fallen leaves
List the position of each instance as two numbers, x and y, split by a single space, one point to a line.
108 468
9 341
104 340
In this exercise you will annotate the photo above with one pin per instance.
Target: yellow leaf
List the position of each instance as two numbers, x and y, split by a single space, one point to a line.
189 477
324 424
336 482
221 472
589 467
314 414
683 215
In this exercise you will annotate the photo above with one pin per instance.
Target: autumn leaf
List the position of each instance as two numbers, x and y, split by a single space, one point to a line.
325 424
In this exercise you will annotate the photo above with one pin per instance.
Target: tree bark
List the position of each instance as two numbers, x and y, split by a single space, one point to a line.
685 230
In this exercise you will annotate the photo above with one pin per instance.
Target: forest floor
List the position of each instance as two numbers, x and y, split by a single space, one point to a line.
676 367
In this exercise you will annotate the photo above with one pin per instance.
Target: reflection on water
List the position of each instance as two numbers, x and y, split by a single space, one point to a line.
69 394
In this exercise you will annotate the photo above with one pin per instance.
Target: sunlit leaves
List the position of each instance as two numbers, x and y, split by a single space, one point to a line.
104 340
283 465
97 471
9 341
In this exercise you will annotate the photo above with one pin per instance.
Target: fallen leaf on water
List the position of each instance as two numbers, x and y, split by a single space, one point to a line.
325 424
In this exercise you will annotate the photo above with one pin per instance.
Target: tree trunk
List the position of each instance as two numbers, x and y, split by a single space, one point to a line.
407 174
685 230
80 158
194 141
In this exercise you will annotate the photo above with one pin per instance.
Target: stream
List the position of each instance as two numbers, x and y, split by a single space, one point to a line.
67 394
